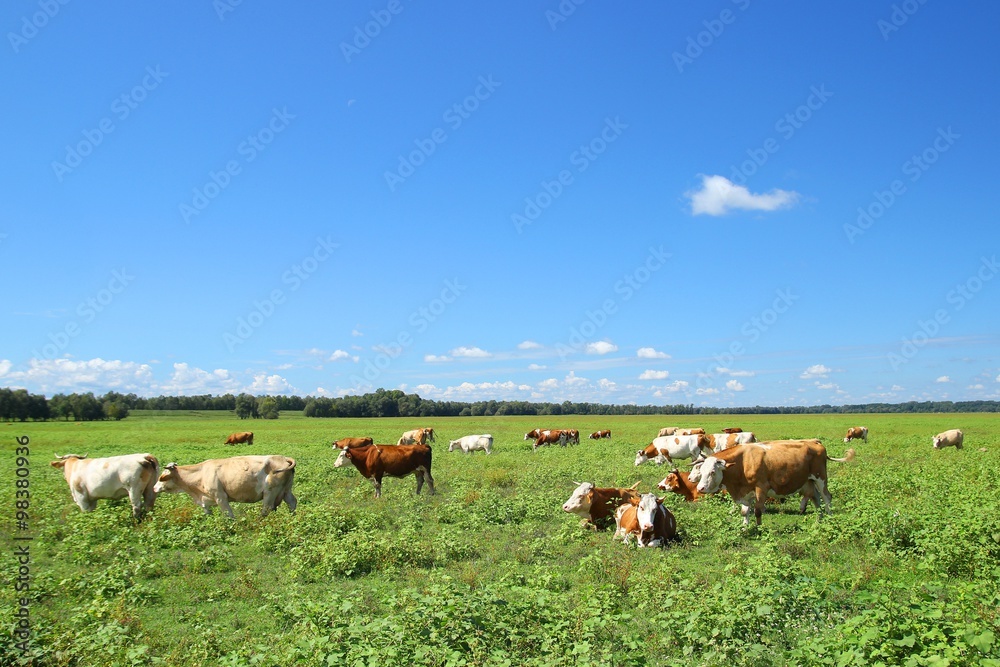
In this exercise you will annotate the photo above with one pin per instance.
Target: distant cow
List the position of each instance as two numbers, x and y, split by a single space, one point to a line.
949 438
733 429
473 443
647 519
239 438
238 479
417 436
784 467
690 431
669 430
376 461
344 443
597 435
679 483
857 433
132 475
722 441
572 435
428 435
672 447
550 438
597 505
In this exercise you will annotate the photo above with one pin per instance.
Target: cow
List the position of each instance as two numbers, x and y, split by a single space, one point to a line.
673 447
428 435
721 441
679 483
647 519
857 433
533 434
597 505
733 429
784 467
550 438
668 430
238 479
597 435
376 461
572 435
949 438
239 438
132 475
343 443
473 443
417 436
690 431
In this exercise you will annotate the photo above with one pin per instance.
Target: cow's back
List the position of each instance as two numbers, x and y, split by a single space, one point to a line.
244 478
787 466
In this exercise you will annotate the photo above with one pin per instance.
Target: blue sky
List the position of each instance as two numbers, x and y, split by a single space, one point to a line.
731 203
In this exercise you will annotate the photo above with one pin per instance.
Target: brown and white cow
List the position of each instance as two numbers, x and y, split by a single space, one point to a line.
784 467
732 429
721 441
690 431
238 479
679 483
344 443
857 433
239 438
598 435
647 519
547 438
428 435
376 461
417 436
572 435
672 447
950 438
598 505
89 480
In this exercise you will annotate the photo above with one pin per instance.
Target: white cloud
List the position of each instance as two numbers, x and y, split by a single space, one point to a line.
826 386
607 385
435 359
998 377
976 386
322 392
672 388
731 373
734 385
340 354
706 391
187 380
572 380
896 387
650 353
654 375
470 353
5 367
718 195
528 345
816 371
270 384
943 379
536 367
356 333
601 347
62 375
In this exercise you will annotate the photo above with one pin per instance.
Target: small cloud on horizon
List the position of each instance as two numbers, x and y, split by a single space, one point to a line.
651 353
718 196
601 347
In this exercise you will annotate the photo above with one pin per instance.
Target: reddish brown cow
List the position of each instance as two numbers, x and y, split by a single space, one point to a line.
678 482
734 429
598 505
597 435
376 461
691 431
647 519
550 438
344 443
238 438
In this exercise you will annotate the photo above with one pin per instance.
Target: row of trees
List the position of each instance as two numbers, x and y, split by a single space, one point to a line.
19 405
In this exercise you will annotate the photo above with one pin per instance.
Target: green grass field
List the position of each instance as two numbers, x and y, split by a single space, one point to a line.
491 571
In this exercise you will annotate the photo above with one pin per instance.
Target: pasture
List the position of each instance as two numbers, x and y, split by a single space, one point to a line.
491 571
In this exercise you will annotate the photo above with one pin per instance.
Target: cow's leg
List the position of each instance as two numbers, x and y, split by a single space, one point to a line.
135 496
269 502
822 490
148 496
223 502
758 508
291 501
377 482
430 481
419 474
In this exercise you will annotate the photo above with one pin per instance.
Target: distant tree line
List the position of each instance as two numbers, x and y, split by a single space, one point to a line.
19 405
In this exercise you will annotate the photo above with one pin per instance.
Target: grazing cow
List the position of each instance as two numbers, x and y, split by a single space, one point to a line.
597 435
572 435
949 438
721 441
344 443
238 479
857 433
239 438
733 429
597 505
647 519
417 436
428 435
679 483
550 438
669 430
673 447
376 461
473 443
784 467
533 434
132 475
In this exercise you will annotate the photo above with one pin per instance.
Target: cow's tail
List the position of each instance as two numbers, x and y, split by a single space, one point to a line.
291 466
149 461
848 457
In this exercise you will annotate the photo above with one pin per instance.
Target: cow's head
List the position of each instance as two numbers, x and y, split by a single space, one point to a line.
710 474
937 443
429 434
345 454
61 461
454 444
647 454
646 511
671 482
532 434
580 501
168 479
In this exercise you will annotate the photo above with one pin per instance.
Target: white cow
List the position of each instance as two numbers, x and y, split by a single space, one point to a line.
722 441
241 479
472 443
950 438
132 475
670 447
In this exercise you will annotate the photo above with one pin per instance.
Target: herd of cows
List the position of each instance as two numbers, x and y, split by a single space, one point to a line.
732 462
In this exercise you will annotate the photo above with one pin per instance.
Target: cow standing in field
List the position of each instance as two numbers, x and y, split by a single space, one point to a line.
673 447
784 467
376 461
598 435
240 438
132 475
597 505
417 436
950 438
647 519
550 438
857 433
344 443
722 441
238 479
473 443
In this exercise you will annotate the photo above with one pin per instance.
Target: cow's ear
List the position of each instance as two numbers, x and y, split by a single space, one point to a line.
171 466
58 464
730 464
